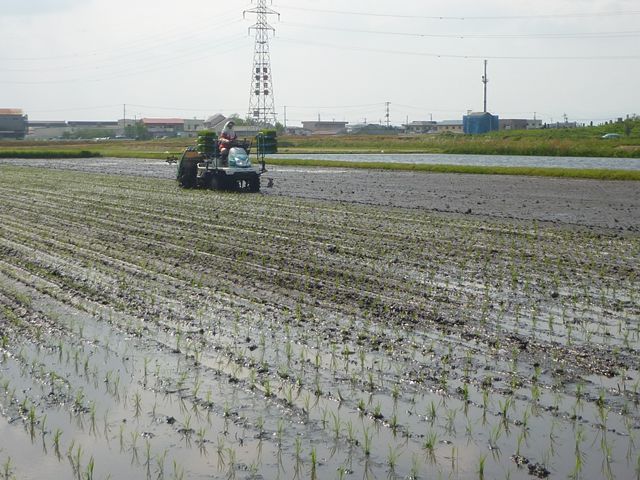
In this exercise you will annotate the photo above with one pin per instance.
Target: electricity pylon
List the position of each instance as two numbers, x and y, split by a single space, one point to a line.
261 100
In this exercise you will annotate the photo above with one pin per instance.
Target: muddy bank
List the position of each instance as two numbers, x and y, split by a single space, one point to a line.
591 203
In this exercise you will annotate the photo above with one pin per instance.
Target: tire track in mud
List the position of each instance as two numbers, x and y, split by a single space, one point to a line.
327 322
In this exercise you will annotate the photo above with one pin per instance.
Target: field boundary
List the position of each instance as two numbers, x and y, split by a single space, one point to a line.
596 174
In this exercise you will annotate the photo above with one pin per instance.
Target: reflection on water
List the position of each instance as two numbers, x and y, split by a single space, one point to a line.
477 160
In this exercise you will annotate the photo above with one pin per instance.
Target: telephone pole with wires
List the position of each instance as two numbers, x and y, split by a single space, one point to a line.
485 80
386 115
261 100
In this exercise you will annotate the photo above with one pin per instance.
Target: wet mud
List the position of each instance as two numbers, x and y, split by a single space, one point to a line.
587 203
154 332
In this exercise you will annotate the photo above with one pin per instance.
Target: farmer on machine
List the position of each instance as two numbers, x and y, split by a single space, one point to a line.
227 139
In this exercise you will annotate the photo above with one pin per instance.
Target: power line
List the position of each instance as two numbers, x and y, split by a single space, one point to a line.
465 57
55 110
334 106
138 59
125 49
465 17
632 33
126 72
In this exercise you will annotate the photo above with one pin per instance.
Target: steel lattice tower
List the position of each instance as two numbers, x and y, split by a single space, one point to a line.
261 101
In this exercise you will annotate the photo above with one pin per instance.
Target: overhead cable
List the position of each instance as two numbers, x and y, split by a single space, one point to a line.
465 17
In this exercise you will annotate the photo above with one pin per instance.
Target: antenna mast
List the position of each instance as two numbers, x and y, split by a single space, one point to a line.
261 101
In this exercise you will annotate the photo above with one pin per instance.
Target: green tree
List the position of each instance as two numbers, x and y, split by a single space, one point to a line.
137 131
628 127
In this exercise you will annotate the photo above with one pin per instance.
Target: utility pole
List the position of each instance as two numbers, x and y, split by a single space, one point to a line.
387 104
485 80
261 100
285 116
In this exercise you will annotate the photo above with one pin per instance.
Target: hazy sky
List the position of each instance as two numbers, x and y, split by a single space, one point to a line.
84 59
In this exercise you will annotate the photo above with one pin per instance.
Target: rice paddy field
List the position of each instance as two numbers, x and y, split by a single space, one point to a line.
152 332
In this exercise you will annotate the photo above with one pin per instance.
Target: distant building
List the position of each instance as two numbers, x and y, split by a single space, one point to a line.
480 122
449 126
13 123
420 126
92 124
163 127
296 131
519 124
101 128
325 128
372 129
126 124
215 122
561 125
247 131
534 124
192 127
45 130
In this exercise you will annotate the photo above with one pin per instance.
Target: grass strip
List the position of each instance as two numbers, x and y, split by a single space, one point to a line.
48 154
596 174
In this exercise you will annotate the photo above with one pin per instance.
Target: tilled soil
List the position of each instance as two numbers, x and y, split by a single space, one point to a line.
154 332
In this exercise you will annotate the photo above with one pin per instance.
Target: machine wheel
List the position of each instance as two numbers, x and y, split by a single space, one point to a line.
187 174
254 184
218 182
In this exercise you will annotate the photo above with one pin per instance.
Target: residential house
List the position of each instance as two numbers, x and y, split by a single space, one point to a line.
325 128
163 127
420 126
450 126
192 127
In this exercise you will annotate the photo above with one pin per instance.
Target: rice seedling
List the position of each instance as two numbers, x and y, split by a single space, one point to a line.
177 472
422 323
7 469
481 465
430 442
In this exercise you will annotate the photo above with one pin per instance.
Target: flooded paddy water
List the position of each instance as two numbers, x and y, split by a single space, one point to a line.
476 160
152 332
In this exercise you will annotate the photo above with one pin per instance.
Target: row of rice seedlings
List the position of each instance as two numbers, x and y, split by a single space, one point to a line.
347 364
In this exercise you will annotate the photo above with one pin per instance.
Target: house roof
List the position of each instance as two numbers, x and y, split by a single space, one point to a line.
421 123
323 123
163 121
215 119
10 111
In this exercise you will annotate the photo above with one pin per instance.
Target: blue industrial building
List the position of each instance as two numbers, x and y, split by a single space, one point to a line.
481 122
